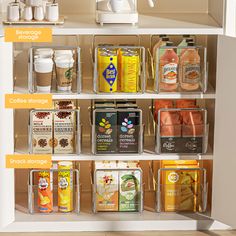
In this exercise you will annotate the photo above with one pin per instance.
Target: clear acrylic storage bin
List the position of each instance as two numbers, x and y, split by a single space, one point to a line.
181 138
110 138
55 69
55 132
119 69
53 201
181 190
185 73
117 190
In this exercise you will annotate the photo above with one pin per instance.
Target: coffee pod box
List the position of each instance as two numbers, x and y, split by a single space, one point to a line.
42 137
43 68
64 132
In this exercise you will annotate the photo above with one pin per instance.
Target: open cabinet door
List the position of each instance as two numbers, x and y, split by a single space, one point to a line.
224 170
7 203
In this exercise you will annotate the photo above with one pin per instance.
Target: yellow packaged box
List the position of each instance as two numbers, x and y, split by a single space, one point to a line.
180 186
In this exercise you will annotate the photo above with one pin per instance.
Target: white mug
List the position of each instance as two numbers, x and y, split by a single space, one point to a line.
116 5
13 12
38 13
52 12
28 13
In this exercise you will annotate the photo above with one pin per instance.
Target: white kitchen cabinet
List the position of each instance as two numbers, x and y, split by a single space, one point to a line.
208 19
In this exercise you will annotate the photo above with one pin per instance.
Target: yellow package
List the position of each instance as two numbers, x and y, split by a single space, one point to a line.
180 188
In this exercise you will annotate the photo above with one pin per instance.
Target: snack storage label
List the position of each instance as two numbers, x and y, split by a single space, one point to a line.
28 101
29 161
169 73
28 35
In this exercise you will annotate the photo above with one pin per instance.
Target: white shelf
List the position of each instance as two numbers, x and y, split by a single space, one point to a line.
146 221
145 156
162 23
88 94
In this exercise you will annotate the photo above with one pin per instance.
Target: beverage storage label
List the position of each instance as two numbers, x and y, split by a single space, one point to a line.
28 101
28 35
29 161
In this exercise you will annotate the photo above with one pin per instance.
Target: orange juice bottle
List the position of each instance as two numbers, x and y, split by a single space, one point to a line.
168 69
190 68
45 191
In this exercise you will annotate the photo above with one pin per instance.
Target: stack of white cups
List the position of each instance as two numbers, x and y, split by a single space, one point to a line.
64 62
43 66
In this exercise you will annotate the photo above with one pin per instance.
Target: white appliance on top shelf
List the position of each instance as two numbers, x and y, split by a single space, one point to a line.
118 11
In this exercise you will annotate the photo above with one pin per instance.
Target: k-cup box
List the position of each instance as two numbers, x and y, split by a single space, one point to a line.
105 131
107 190
64 132
42 136
129 122
129 190
65 104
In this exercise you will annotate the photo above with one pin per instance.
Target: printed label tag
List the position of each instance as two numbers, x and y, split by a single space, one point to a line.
28 101
29 161
27 35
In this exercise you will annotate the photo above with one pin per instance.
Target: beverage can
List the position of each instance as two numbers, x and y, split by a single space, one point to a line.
107 70
65 186
45 191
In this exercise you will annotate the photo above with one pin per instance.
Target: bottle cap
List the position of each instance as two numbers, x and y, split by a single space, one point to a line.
191 44
189 40
186 36
165 39
163 35
169 43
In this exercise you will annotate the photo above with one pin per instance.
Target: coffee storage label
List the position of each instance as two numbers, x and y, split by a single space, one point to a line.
191 73
170 73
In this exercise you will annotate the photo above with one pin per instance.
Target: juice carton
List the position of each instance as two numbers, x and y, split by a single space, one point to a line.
129 186
107 190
